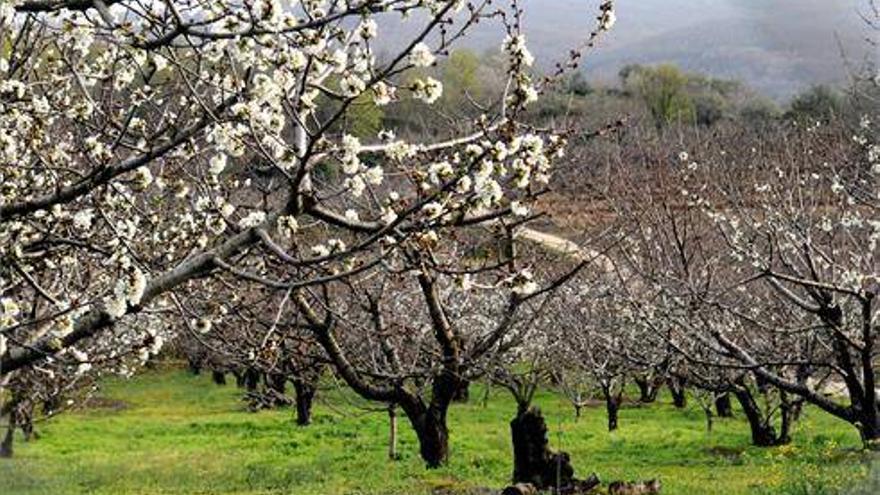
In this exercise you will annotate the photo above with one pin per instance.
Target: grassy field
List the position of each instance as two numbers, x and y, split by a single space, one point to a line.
173 433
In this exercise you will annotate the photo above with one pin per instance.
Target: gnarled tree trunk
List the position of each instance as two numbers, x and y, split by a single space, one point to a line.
218 377
677 389
429 424
612 406
6 445
763 432
648 389
305 393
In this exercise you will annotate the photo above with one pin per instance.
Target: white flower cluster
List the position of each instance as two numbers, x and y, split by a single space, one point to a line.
359 175
9 310
607 18
516 48
287 226
522 283
383 93
428 90
519 58
421 56
129 290
252 219
82 360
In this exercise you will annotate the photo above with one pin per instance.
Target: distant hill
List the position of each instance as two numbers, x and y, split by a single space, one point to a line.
778 47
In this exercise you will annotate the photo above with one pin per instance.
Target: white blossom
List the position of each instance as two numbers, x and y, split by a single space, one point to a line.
428 90
421 56
253 219
433 209
368 29
523 284
143 178
217 164
519 209
287 226
82 219
352 85
202 325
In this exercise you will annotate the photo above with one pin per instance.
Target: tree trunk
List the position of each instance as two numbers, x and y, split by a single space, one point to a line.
195 366
709 418
392 433
218 377
462 392
251 379
870 436
305 393
787 410
723 407
429 424
647 390
763 433
239 378
26 422
677 388
6 445
612 406
577 412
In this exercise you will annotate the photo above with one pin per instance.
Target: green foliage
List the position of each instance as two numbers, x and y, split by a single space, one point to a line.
364 118
180 434
663 89
709 108
759 111
578 85
819 103
459 77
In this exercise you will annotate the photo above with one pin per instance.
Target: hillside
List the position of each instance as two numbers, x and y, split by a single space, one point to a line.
778 47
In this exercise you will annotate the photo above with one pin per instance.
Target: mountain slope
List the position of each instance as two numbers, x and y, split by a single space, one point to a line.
777 46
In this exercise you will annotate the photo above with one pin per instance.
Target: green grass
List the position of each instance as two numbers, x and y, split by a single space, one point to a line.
180 434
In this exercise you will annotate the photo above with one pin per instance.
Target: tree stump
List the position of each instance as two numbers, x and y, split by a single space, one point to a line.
535 466
534 462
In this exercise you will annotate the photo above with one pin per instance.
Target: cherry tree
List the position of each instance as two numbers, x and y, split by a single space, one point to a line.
150 147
